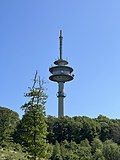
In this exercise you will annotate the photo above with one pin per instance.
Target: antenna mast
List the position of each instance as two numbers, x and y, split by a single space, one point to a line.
61 38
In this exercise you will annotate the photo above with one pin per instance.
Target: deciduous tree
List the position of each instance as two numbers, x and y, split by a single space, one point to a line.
8 122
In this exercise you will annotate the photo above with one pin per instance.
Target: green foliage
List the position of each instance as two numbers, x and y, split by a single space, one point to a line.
106 127
8 122
97 148
7 154
71 151
77 138
98 155
56 155
75 129
85 138
33 123
115 131
96 145
90 128
111 150
85 150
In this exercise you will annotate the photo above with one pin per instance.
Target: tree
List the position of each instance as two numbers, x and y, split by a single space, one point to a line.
96 145
56 155
89 128
33 123
115 132
106 127
98 155
69 150
51 134
111 150
8 122
85 150
97 148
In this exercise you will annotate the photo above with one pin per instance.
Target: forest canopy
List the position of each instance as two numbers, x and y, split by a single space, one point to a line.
78 137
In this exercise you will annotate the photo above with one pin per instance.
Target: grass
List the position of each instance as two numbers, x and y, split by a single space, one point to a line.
6 154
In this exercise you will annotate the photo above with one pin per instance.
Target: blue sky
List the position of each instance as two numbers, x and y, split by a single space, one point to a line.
29 41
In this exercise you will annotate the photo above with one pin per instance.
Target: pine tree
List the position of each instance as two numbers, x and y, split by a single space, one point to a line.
33 123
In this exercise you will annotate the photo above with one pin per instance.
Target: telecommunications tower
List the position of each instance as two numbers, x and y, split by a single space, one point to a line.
61 73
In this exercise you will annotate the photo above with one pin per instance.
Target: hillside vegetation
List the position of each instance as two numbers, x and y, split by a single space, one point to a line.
68 137
37 137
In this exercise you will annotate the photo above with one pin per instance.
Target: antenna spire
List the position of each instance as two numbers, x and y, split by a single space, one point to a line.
60 44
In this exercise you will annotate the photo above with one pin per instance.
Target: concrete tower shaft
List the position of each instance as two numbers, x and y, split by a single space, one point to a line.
61 97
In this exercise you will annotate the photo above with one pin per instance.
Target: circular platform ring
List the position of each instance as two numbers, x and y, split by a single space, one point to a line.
60 62
60 68
61 78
